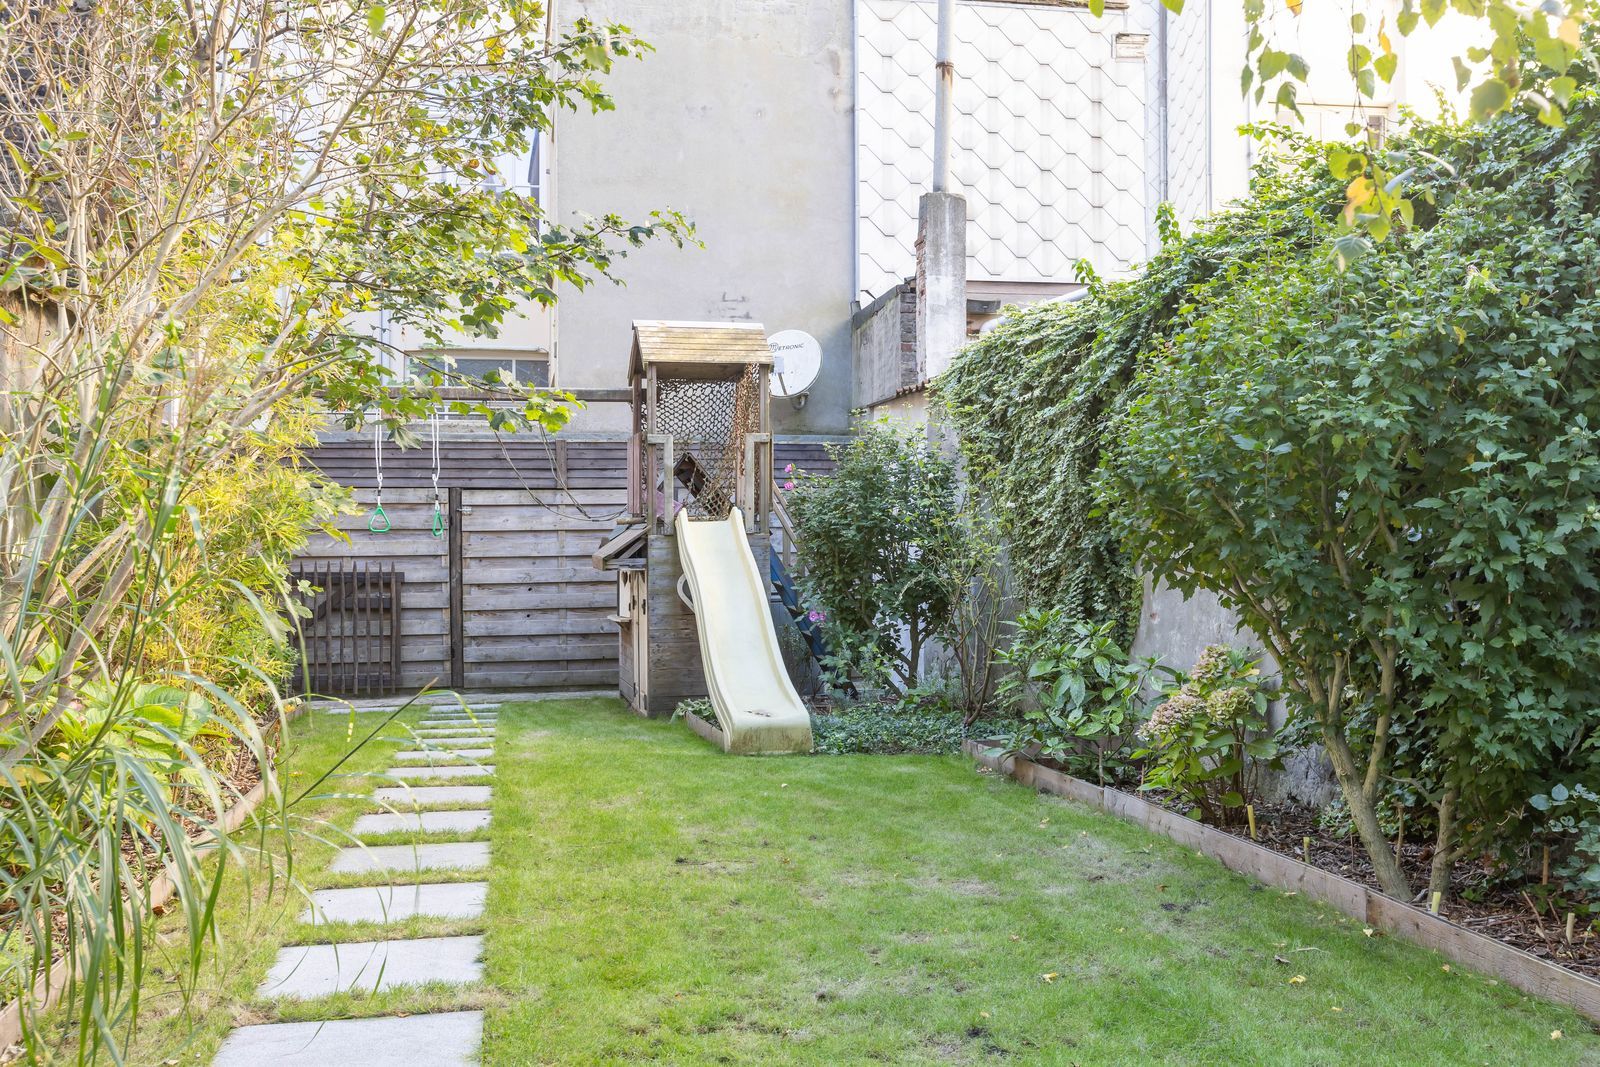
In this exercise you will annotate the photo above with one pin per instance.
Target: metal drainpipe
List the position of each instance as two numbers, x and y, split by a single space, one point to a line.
945 77
1164 171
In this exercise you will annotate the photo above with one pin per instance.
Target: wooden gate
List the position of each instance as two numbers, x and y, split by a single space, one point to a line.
507 598
350 637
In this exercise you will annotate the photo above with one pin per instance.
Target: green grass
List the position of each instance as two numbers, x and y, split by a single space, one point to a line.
655 900
259 908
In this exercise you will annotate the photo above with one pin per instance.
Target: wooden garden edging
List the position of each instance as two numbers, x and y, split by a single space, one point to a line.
52 985
708 730
1523 970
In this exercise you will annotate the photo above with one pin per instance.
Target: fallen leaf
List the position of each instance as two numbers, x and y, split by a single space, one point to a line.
1298 979
1337 1008
1051 977
1446 967
983 1015
1556 1035
1016 937
1280 959
1369 931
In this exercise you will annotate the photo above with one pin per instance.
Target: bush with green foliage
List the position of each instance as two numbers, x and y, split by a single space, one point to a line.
1211 736
1383 460
1390 472
1077 695
895 729
876 538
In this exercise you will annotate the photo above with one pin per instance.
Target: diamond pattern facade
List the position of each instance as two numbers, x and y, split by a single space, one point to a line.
1052 140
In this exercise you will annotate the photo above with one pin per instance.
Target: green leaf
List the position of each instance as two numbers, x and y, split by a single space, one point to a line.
1433 11
376 14
1489 98
1386 66
1350 247
1174 6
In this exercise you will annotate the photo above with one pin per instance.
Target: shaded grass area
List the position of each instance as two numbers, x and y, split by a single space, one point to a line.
264 894
654 899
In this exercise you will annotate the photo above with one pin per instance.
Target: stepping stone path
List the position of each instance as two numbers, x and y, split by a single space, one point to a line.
466 771
449 742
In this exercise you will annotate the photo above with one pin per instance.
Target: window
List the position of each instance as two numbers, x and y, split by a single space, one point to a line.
526 370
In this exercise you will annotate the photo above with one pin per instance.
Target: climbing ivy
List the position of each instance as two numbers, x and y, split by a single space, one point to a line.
1032 399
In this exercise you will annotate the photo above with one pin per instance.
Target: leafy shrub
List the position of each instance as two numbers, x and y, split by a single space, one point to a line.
1207 741
1389 473
1571 818
893 729
875 538
1076 692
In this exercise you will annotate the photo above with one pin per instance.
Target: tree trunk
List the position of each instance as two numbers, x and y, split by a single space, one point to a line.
1384 862
1444 848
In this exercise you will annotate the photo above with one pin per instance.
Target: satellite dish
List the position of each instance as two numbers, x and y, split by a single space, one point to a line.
796 359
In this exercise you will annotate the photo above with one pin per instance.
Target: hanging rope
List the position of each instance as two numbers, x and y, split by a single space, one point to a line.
438 509
378 522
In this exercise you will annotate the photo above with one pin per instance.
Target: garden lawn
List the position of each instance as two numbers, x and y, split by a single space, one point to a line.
655 899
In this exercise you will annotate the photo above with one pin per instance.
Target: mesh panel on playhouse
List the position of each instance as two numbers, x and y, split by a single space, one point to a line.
708 421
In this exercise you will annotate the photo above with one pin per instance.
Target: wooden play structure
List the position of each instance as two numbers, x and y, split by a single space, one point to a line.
693 553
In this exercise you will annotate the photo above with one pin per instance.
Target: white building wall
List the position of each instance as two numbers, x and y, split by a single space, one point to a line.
1049 138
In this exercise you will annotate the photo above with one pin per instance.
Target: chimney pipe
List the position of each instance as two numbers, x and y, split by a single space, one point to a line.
945 78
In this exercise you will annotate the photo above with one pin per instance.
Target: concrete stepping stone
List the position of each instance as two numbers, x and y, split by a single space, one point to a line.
446 744
450 1038
486 717
389 904
435 755
456 731
373 859
306 972
427 822
441 772
406 797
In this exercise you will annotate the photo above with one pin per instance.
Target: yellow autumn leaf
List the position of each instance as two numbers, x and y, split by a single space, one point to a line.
1298 979
1051 977
1567 32
1556 1035
1294 6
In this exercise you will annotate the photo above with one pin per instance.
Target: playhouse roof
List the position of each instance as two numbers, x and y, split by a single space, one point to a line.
697 349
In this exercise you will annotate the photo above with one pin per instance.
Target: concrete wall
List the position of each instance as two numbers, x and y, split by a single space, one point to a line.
885 339
741 119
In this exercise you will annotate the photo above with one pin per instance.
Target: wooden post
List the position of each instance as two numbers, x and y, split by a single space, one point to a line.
396 584
457 628
649 451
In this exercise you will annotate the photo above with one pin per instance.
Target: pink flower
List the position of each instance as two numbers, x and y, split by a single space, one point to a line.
817 616
788 487
788 468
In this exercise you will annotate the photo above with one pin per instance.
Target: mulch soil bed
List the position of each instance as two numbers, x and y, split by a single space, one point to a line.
1505 914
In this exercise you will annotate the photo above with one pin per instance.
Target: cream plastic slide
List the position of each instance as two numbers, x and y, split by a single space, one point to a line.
757 708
